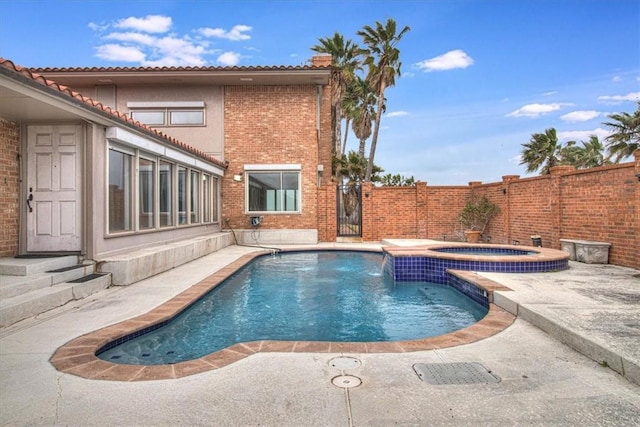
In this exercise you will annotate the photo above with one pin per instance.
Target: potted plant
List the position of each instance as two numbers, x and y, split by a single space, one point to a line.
475 216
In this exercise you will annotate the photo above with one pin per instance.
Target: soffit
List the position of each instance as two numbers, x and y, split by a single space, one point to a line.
218 77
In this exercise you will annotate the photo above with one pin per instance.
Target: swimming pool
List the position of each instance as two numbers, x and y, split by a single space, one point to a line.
333 296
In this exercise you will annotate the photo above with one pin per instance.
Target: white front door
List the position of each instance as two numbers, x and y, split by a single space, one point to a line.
54 169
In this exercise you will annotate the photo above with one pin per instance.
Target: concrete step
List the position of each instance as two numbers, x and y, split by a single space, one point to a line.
41 300
30 266
11 286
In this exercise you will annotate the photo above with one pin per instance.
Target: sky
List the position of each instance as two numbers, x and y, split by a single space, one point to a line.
478 77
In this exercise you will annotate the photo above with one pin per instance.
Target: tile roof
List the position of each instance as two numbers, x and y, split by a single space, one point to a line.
177 68
93 105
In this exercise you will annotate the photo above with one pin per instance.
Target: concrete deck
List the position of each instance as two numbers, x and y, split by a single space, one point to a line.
543 382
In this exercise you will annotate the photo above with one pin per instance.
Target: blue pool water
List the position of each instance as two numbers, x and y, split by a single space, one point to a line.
304 296
494 251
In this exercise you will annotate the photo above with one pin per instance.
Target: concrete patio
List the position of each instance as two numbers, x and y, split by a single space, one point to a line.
594 308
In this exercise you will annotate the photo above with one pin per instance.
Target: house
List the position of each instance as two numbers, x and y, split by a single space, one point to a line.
126 166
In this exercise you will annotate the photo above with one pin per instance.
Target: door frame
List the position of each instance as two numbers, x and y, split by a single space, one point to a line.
25 156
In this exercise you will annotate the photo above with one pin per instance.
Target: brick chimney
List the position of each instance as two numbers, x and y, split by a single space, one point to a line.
321 61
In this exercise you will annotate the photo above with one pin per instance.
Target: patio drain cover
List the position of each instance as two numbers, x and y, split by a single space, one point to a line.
344 362
346 381
455 373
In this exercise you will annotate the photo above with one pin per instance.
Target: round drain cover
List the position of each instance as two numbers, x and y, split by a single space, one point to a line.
344 362
346 381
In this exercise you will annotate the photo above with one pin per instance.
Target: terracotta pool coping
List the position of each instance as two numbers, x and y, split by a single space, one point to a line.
78 356
541 254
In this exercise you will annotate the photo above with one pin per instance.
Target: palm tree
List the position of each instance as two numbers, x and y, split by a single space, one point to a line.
346 60
542 151
397 180
625 138
361 100
590 155
383 62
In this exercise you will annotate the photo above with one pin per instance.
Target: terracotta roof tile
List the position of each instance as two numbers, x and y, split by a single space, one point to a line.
92 104
174 68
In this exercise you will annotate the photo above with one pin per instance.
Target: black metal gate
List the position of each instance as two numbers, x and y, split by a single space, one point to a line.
349 210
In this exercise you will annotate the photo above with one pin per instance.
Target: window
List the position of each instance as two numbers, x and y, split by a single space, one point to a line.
146 176
148 192
195 197
185 118
182 195
206 198
168 113
166 194
151 117
152 189
273 191
120 164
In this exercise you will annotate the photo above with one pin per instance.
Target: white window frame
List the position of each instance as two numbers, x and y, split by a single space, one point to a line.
137 149
273 168
166 108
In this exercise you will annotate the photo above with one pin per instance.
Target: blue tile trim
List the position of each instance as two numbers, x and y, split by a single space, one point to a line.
117 342
422 268
477 294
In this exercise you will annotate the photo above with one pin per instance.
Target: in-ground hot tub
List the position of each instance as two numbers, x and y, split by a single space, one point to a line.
431 262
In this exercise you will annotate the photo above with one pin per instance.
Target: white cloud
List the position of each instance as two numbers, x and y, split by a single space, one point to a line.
176 51
448 61
580 116
97 27
616 79
229 58
633 96
516 160
148 24
535 110
137 38
396 114
114 52
583 135
552 92
235 34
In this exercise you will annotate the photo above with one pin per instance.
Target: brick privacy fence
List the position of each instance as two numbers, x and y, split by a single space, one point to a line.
9 184
600 204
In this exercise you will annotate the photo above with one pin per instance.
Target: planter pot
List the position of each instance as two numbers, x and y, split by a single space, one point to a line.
472 236
570 247
592 252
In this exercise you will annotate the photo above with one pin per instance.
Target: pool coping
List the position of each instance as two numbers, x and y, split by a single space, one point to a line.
541 254
78 356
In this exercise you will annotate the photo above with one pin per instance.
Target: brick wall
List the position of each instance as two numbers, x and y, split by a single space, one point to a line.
600 204
9 184
274 125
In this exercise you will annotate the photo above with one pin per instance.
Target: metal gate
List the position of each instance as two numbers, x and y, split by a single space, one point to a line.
349 210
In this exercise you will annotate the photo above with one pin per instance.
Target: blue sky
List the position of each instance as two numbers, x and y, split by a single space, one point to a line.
478 76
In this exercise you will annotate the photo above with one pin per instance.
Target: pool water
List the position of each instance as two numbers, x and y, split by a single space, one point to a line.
305 296
497 251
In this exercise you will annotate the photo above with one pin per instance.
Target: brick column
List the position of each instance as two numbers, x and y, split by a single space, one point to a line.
9 187
555 190
506 205
422 211
367 212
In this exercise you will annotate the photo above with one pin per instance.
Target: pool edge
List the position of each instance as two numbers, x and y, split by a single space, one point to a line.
78 356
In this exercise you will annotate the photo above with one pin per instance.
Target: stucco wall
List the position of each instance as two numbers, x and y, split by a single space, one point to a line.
9 185
207 138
